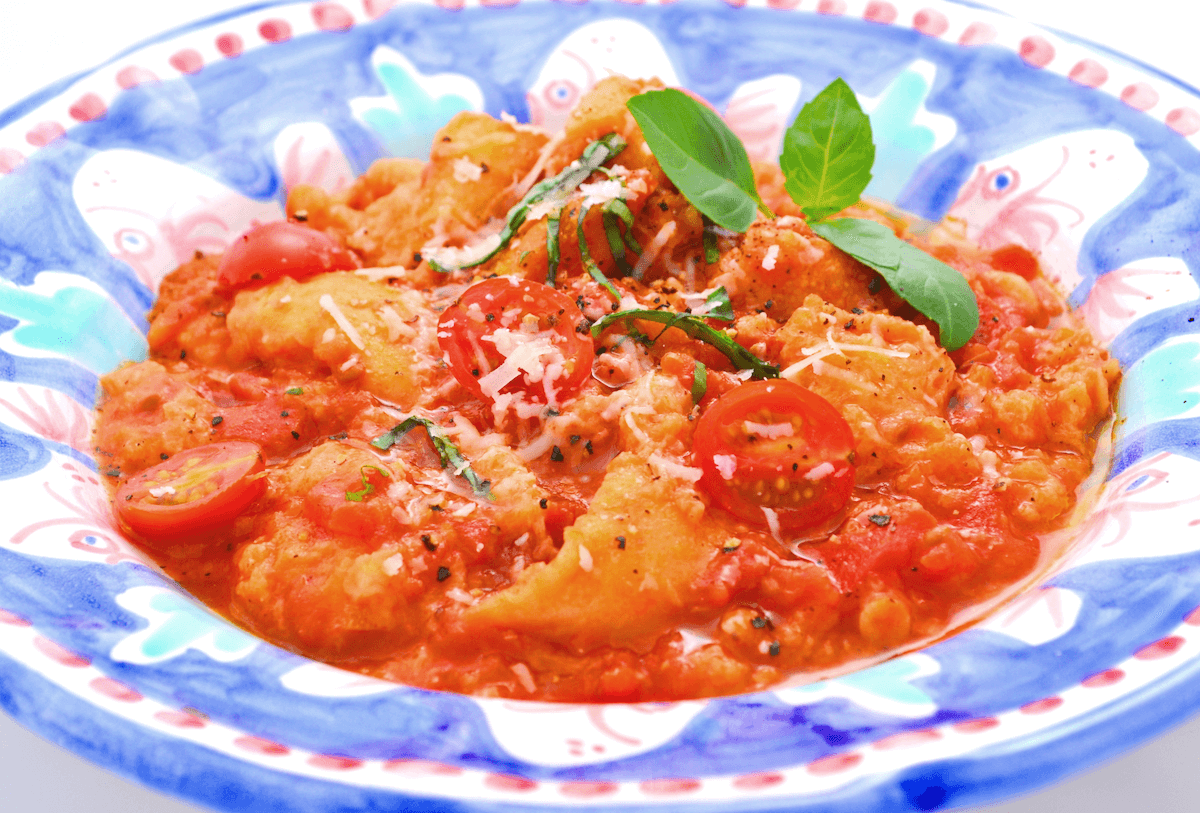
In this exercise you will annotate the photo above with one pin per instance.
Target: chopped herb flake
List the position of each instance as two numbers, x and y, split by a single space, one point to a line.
882 520
443 574
699 382
357 496
217 420
773 650
294 391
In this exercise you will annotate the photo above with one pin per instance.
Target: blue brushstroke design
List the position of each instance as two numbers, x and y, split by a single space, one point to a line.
20 454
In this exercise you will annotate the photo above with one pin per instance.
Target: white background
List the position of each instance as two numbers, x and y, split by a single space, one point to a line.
42 41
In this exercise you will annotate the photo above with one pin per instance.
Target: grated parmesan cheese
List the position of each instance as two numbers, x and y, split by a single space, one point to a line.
656 245
585 559
726 465
394 324
773 522
393 564
161 491
466 171
460 595
819 472
770 431
602 192
448 257
669 468
348 363
331 307
769 259
524 676
381 273
698 302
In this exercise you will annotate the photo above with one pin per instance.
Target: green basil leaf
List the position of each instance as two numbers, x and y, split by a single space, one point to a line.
697 328
929 285
828 152
701 156
449 455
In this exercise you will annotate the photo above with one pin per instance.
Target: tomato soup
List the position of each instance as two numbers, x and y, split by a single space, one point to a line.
602 451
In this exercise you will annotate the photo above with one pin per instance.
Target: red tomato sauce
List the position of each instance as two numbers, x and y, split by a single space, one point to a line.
445 478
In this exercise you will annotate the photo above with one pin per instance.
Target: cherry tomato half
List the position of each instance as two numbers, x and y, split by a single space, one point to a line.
508 335
777 446
196 490
281 249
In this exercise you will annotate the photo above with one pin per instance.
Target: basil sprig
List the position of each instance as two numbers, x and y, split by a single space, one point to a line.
701 156
447 452
696 328
827 157
551 189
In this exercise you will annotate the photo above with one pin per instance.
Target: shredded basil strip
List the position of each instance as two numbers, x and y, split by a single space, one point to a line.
447 452
711 254
700 154
929 285
620 208
357 496
828 152
558 187
696 328
552 251
612 231
719 306
588 263
699 382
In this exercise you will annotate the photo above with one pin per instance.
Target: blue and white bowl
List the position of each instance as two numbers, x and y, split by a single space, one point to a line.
111 180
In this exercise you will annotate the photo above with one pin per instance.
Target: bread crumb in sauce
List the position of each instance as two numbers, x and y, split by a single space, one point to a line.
588 559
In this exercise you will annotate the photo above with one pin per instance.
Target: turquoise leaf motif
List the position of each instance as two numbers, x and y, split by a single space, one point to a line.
886 688
177 624
75 322
904 133
1163 385
416 105
890 681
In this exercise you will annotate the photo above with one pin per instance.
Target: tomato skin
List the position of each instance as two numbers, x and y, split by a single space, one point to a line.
280 249
504 303
743 470
202 489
